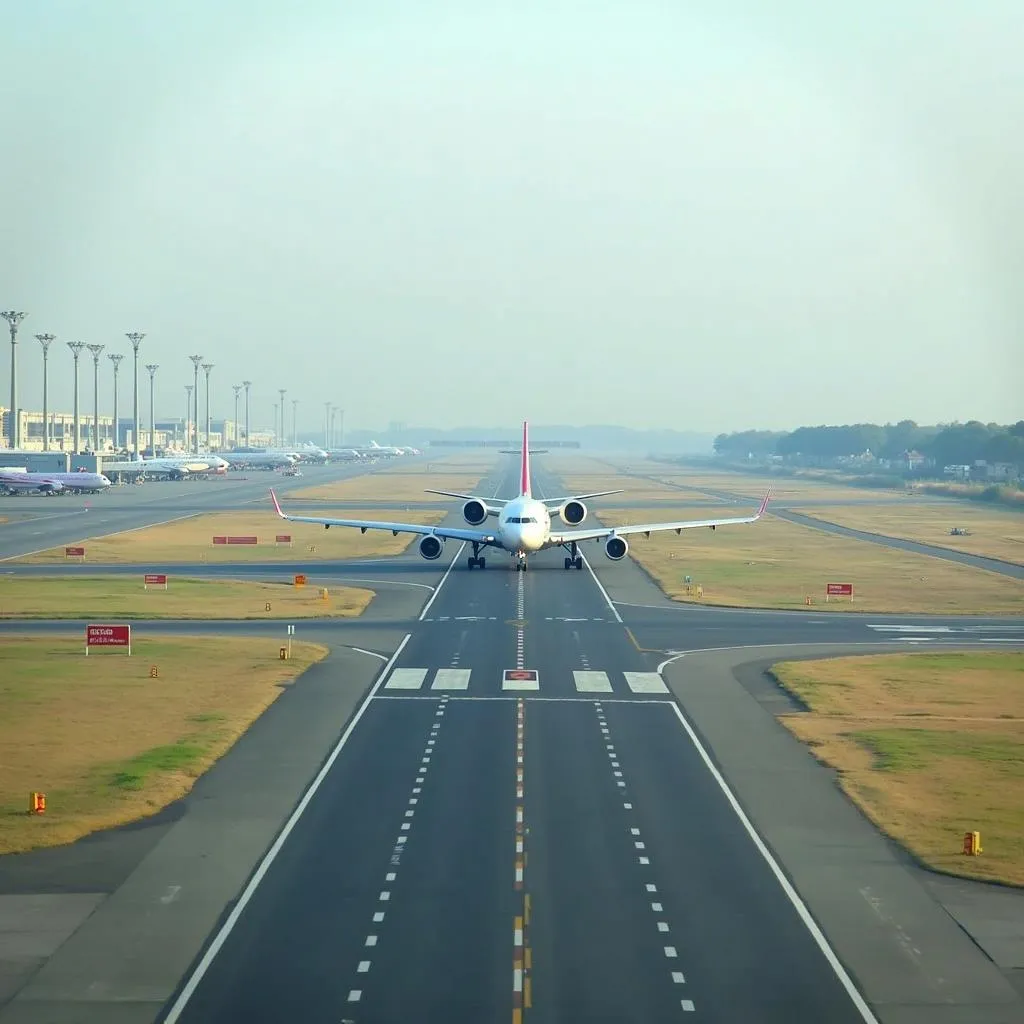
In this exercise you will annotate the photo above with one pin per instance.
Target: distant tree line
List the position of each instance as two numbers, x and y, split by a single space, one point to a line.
948 444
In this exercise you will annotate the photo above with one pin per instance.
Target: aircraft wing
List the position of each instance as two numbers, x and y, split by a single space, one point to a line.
553 503
445 532
601 532
497 502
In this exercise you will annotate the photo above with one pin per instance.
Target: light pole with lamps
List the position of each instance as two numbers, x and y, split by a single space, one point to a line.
13 320
96 350
207 367
45 340
188 414
115 361
196 363
246 384
295 421
280 441
76 350
152 368
135 337
237 388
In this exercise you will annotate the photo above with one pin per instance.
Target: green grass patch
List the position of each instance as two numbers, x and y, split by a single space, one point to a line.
911 750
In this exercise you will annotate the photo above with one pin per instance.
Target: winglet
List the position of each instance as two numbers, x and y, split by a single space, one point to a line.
277 507
764 504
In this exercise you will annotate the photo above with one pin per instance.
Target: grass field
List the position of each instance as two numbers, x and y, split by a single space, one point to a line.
784 488
190 540
929 746
391 486
107 743
118 597
776 564
635 490
993 532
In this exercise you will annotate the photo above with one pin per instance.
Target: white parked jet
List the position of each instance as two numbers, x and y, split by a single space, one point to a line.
52 483
524 524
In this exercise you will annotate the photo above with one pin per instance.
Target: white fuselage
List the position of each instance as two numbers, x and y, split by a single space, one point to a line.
524 525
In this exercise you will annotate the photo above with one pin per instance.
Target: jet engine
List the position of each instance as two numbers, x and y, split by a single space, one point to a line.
431 547
616 548
51 487
473 512
573 512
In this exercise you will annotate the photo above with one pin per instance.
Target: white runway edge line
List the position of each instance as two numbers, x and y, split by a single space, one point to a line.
221 937
794 897
604 593
437 590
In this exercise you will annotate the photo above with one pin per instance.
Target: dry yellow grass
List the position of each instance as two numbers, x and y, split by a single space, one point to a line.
929 746
390 486
190 540
123 597
635 490
107 743
993 532
776 564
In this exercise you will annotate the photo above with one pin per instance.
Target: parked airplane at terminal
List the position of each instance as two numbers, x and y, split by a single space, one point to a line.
52 483
172 466
260 459
524 524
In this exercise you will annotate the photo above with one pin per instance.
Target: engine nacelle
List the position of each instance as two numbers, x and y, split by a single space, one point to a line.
51 487
474 512
431 547
573 512
616 548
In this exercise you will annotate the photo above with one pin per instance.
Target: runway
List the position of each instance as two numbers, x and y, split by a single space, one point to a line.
520 821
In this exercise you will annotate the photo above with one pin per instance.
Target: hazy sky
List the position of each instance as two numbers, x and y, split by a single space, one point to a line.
709 215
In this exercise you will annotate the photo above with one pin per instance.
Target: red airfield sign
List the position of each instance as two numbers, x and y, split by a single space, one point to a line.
104 635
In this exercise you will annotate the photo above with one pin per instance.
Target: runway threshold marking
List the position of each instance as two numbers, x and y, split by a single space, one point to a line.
406 679
592 682
451 679
192 983
645 682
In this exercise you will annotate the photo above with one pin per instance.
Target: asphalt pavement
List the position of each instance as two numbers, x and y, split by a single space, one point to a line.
550 806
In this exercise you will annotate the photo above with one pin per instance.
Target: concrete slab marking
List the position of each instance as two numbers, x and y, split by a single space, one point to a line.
645 682
406 679
592 682
451 679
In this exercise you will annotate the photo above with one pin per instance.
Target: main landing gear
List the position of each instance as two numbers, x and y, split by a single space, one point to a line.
476 560
520 562
575 559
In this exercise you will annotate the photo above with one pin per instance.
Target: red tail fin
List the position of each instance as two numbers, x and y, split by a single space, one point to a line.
524 478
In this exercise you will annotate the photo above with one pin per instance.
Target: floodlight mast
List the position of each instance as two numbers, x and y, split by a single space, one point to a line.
197 361
207 367
76 350
188 415
45 340
115 361
152 368
135 337
237 388
247 384
14 319
96 351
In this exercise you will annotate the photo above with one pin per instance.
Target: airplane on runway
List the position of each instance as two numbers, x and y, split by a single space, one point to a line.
524 524
52 483
173 467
